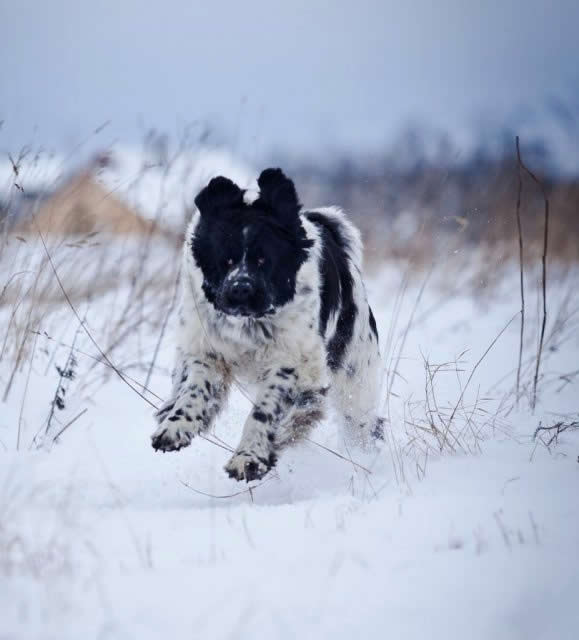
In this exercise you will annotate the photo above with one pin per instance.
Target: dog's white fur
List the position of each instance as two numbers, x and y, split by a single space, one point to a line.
215 350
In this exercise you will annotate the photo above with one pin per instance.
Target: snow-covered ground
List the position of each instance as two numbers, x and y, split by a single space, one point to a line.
462 526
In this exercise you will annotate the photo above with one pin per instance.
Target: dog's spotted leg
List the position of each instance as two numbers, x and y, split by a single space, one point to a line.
200 385
283 413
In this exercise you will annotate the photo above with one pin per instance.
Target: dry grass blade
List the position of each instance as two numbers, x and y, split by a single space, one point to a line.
68 424
407 329
11 279
221 444
25 394
339 455
162 333
82 324
476 366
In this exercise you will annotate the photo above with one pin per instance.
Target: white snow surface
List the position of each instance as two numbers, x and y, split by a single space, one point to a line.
100 537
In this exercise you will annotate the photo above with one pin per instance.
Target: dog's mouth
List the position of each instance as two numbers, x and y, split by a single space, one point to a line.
246 312
238 312
257 306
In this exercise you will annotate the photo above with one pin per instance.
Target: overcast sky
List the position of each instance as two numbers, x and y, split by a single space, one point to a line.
299 74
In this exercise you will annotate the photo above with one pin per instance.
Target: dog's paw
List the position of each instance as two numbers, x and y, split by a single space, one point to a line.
249 466
172 436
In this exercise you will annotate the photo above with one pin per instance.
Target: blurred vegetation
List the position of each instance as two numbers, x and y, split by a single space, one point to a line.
414 205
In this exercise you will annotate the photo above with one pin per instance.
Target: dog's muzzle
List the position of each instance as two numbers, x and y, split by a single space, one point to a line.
239 296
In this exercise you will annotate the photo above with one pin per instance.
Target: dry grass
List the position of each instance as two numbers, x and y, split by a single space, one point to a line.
549 436
432 427
427 213
57 286
59 295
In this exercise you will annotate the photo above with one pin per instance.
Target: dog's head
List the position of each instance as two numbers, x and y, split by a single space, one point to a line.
249 254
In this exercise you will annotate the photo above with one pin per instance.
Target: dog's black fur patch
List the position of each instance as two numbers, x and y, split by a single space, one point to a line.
266 238
337 285
372 322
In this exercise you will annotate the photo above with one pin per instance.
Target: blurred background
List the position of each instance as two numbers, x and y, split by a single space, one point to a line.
404 113
314 80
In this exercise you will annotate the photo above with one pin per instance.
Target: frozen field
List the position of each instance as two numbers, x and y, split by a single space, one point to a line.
463 526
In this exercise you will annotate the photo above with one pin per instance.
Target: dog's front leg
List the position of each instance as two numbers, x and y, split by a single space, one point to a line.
284 411
200 386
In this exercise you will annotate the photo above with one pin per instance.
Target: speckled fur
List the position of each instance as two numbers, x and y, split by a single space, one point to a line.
282 358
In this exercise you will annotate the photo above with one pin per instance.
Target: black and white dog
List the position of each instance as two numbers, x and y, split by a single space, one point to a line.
273 297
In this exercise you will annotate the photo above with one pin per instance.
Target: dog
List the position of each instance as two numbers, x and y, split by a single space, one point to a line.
272 296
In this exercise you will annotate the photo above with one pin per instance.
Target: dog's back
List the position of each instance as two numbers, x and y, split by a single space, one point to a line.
347 324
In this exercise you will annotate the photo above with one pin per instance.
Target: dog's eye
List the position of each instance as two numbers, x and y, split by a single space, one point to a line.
230 262
260 262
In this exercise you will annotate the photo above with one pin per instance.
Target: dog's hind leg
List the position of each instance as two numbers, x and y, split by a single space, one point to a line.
356 395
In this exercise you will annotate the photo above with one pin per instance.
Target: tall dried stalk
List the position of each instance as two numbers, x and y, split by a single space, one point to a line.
541 186
522 287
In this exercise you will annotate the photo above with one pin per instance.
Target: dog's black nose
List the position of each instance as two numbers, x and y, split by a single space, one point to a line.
240 290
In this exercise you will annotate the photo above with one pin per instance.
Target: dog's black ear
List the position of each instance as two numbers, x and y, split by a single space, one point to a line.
219 195
278 193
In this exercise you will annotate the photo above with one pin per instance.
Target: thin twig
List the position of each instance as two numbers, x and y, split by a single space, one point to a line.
558 428
339 455
541 186
229 495
520 232
68 424
221 445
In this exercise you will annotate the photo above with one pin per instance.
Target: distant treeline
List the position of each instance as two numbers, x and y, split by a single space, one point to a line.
427 199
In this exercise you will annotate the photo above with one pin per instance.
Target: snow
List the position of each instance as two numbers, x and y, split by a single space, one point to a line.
163 188
100 536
